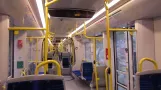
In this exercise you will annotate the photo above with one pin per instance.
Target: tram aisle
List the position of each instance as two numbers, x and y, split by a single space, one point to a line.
76 84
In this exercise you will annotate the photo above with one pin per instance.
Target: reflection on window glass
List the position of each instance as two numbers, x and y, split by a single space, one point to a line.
122 78
88 51
100 52
120 51
121 88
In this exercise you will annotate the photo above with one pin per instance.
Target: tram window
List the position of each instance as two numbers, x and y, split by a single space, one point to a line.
100 52
134 53
133 39
88 51
122 78
120 51
121 88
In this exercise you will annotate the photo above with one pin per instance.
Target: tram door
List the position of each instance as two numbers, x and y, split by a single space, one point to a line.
122 71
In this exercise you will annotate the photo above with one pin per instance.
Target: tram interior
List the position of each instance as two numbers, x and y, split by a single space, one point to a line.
80 44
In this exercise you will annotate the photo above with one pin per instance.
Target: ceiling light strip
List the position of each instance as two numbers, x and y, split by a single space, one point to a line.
41 12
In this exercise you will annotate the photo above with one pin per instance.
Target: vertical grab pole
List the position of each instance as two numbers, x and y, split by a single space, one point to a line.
108 44
36 52
106 77
46 37
94 57
73 50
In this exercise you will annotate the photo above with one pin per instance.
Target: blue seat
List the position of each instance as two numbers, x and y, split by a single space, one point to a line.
87 70
77 73
66 63
41 82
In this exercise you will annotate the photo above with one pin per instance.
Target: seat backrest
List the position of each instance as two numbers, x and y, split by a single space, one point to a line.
66 63
87 69
148 80
43 82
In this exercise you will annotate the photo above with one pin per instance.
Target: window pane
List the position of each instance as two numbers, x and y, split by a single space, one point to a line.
121 88
120 51
122 78
100 52
88 51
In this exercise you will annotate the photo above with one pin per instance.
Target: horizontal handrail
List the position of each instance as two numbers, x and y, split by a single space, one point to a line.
46 62
146 59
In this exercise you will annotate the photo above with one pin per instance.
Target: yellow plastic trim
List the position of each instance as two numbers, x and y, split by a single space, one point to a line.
16 32
46 62
146 59
25 28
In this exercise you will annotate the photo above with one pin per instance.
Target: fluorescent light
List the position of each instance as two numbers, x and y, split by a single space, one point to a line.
64 39
42 16
41 12
95 23
112 3
95 16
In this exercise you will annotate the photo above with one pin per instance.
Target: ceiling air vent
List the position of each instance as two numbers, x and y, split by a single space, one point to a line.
71 13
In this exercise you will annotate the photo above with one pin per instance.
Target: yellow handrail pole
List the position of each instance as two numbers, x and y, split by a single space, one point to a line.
106 77
46 36
73 54
35 37
95 67
108 44
49 3
34 61
94 56
36 52
46 62
85 34
25 28
47 30
122 29
146 59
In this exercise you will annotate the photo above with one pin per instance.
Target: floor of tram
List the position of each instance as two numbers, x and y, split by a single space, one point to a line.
76 84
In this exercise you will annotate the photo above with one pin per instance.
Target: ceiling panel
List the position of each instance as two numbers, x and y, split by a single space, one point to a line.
63 26
82 4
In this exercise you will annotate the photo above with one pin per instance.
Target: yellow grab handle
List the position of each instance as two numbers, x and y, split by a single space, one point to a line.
46 62
146 59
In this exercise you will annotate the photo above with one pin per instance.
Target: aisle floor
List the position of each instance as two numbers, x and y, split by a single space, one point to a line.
76 84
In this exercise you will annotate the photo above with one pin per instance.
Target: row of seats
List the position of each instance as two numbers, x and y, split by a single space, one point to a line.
38 82
86 72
